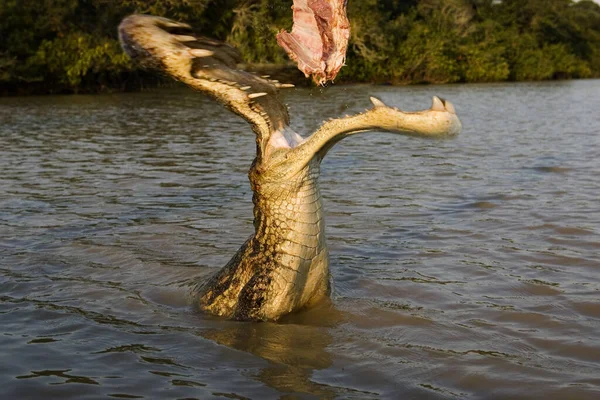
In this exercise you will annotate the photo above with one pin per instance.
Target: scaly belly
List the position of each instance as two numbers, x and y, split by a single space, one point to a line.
283 266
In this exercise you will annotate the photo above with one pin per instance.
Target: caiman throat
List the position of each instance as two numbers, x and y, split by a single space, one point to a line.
283 266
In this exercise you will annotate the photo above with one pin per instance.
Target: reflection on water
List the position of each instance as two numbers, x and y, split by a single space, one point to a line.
293 348
465 268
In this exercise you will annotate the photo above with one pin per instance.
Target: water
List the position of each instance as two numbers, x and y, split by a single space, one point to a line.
466 268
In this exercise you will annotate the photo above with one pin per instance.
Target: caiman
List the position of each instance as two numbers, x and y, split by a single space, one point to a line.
283 266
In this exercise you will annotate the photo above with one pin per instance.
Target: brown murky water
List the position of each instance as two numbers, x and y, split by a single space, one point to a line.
466 268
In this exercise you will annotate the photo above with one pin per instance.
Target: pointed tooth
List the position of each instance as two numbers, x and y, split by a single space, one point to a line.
167 23
449 107
265 76
185 38
286 85
376 102
255 95
201 52
437 104
246 87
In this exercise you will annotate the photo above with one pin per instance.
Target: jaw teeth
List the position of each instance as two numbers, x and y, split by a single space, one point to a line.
437 104
442 105
376 102
255 95
167 23
201 53
450 107
185 38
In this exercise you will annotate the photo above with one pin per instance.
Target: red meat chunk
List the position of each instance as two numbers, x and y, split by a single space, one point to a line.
319 38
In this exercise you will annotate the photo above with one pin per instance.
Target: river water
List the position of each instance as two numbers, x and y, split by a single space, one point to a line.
463 268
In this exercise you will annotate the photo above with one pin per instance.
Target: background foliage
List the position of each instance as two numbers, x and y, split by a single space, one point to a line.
71 45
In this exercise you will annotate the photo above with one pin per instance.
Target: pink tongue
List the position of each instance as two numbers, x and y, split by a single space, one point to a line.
319 37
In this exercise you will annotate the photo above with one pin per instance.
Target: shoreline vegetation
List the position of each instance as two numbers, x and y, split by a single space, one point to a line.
71 46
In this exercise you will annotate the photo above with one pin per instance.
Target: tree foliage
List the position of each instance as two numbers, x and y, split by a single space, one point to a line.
71 45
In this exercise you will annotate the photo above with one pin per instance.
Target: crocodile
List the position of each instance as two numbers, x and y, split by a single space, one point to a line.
283 267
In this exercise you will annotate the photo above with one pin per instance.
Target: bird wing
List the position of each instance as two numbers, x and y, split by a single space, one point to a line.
208 66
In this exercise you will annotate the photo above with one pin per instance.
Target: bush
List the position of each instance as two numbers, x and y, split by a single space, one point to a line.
71 45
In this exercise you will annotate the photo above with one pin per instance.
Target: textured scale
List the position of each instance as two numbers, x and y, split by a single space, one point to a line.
284 266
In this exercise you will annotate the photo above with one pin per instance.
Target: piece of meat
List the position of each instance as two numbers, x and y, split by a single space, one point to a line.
319 38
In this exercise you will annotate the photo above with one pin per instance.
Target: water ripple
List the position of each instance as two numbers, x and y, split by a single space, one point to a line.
465 268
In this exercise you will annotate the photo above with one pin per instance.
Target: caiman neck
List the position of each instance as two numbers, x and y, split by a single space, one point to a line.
284 265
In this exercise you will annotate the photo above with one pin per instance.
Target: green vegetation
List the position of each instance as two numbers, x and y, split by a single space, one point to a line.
72 46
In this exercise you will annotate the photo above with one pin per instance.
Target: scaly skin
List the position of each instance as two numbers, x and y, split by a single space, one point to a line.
284 266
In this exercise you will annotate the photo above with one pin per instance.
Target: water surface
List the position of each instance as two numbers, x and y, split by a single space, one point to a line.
463 268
